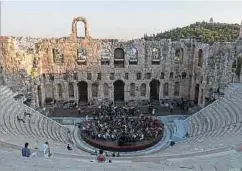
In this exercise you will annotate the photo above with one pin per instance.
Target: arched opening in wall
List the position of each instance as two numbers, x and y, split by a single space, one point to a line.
179 54
177 89
234 65
196 95
238 68
118 90
171 75
156 53
94 90
132 89
119 58
82 91
49 93
184 75
143 90
200 58
71 90
105 90
182 55
154 90
39 95
60 91
80 30
166 89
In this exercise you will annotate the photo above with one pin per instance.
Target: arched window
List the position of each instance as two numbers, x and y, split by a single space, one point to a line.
119 58
143 89
155 53
166 89
132 89
162 75
184 75
57 55
71 90
105 56
156 56
132 54
105 90
94 90
171 75
49 90
59 90
200 58
118 53
177 89
234 65
179 54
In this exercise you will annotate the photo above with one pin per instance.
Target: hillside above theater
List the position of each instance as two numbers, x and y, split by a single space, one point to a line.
207 32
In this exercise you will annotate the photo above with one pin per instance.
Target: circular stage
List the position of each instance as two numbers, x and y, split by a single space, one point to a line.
126 147
140 138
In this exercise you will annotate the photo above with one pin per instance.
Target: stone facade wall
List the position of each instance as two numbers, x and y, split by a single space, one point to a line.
51 65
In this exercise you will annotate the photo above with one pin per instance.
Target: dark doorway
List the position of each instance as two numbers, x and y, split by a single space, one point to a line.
196 94
118 90
154 90
39 96
82 91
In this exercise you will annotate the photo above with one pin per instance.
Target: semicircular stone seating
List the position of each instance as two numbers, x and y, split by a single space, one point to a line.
216 126
219 122
36 129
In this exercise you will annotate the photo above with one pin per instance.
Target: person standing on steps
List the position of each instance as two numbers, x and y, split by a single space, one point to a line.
46 150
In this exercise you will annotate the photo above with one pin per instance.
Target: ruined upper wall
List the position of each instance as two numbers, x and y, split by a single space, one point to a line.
73 54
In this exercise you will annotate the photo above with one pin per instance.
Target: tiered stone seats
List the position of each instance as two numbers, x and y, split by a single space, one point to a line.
214 129
11 160
37 128
218 125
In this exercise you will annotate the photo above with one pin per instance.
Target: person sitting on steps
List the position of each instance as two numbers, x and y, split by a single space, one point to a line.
26 151
68 147
101 157
27 114
20 119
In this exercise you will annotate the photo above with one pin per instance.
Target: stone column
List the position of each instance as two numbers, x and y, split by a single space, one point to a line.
75 92
100 92
161 91
65 91
89 90
148 92
111 92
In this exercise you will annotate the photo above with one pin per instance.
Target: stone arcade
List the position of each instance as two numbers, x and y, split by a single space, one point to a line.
85 69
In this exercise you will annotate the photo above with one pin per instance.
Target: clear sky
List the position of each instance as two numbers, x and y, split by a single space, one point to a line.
107 19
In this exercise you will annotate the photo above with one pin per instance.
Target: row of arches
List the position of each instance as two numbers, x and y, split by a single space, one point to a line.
119 91
119 87
119 55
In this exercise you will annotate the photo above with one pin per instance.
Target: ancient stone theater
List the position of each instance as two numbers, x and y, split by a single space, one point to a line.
85 69
149 104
